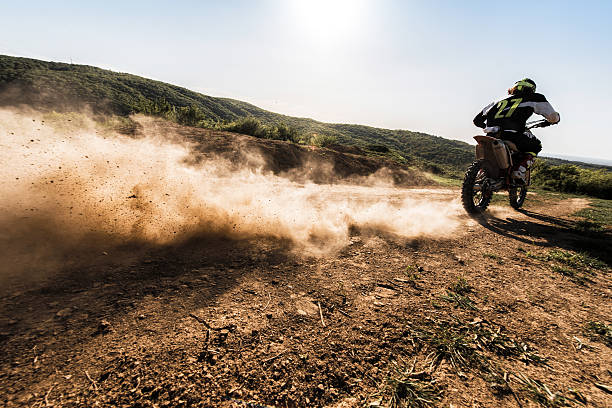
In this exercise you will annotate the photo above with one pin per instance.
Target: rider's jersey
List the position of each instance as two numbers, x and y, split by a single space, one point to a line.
512 113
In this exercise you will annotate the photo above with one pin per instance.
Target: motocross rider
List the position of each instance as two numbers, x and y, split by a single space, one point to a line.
506 120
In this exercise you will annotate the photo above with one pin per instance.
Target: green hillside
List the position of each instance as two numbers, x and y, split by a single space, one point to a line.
68 87
59 86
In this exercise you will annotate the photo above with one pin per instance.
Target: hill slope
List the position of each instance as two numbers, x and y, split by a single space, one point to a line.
67 87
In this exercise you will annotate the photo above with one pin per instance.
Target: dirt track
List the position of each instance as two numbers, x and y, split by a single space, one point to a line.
226 322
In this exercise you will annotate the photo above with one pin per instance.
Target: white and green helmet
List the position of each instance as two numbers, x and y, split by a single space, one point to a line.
525 84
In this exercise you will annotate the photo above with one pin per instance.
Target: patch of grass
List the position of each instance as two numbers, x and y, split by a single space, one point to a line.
476 346
464 345
458 292
576 276
412 269
493 256
407 388
463 302
445 181
599 212
576 259
599 332
539 257
498 343
412 279
541 394
589 226
453 343
578 266
412 276
461 287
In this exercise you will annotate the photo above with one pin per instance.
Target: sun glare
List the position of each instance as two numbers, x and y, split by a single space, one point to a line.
329 20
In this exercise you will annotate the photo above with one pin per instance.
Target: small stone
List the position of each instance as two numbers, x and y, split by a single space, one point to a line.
103 327
64 312
223 335
141 317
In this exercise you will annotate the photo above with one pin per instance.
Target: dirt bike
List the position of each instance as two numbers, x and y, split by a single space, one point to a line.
492 171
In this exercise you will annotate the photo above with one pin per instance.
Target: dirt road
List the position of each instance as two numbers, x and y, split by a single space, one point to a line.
479 317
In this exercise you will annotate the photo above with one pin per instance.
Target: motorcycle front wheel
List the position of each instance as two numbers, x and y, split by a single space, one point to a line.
517 196
476 192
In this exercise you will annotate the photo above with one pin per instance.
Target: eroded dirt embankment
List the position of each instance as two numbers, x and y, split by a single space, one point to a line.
72 187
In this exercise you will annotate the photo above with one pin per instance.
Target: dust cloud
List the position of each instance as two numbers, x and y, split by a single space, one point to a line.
69 187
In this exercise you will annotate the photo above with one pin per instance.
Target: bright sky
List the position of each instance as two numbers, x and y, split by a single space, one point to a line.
428 66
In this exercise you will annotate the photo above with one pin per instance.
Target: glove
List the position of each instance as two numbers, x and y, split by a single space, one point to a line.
492 129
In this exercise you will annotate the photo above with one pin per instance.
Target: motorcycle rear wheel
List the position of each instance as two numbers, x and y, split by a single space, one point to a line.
475 191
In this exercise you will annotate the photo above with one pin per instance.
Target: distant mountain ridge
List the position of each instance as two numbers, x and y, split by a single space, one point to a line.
62 86
585 161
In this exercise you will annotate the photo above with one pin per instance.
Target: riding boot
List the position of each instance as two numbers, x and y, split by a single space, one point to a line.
520 169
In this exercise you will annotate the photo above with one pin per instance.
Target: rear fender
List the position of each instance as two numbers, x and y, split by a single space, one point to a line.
484 151
481 147
481 139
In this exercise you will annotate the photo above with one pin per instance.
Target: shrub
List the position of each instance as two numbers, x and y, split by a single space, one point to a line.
247 126
322 140
284 132
569 178
378 148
